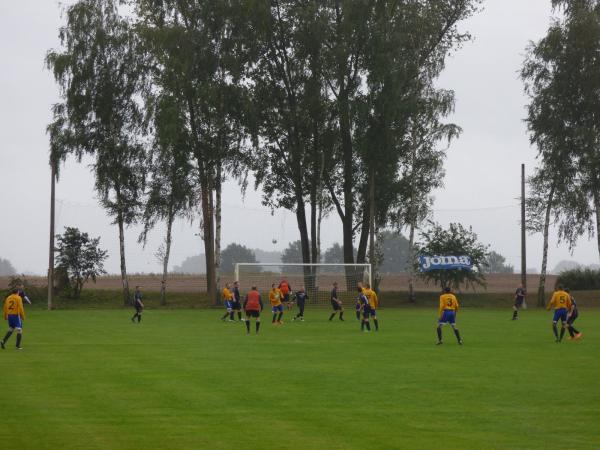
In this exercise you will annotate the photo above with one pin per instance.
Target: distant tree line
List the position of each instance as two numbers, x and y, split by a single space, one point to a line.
394 256
6 268
331 106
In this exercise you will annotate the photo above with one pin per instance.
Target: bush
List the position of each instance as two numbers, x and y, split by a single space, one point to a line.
34 293
580 279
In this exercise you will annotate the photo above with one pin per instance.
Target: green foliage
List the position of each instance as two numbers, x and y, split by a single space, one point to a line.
192 265
196 102
335 255
292 254
455 240
580 279
101 72
394 248
34 293
334 87
98 72
80 256
496 263
561 78
235 253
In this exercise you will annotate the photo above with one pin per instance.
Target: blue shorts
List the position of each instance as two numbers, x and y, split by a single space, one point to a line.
278 308
14 321
560 314
448 316
372 312
228 304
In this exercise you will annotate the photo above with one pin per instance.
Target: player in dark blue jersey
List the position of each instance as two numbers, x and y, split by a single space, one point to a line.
572 315
138 304
519 300
301 297
336 303
22 294
365 308
237 300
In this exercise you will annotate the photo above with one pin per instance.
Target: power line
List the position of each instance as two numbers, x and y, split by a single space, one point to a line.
488 208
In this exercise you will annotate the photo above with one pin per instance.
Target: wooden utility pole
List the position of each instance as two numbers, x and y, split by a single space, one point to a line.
523 234
372 225
51 249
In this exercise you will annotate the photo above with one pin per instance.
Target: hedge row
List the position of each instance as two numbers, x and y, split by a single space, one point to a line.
580 279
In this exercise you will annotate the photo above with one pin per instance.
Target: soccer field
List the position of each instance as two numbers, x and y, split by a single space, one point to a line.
184 379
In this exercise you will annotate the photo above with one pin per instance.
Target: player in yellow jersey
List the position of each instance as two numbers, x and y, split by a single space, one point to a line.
275 297
447 314
228 300
15 315
373 304
561 302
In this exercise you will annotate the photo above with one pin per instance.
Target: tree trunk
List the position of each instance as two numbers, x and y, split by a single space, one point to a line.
412 218
304 241
124 281
372 219
320 202
315 186
411 259
163 283
209 239
363 241
319 220
541 300
597 206
218 189
346 139
313 223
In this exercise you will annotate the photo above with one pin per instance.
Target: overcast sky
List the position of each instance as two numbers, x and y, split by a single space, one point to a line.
482 168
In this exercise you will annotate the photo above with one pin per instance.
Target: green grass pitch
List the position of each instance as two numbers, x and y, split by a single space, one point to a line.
184 379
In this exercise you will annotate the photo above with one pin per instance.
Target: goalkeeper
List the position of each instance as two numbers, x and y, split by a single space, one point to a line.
301 297
286 291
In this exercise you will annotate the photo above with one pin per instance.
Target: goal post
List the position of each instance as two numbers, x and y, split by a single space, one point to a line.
317 279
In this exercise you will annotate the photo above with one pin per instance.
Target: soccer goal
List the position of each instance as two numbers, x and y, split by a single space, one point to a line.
316 279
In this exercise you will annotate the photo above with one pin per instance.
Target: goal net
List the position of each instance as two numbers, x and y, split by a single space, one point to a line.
316 279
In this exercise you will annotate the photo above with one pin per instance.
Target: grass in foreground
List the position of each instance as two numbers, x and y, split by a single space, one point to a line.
184 379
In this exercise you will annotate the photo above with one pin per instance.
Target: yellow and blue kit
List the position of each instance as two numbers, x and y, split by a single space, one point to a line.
14 311
561 302
275 296
228 298
448 308
373 299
